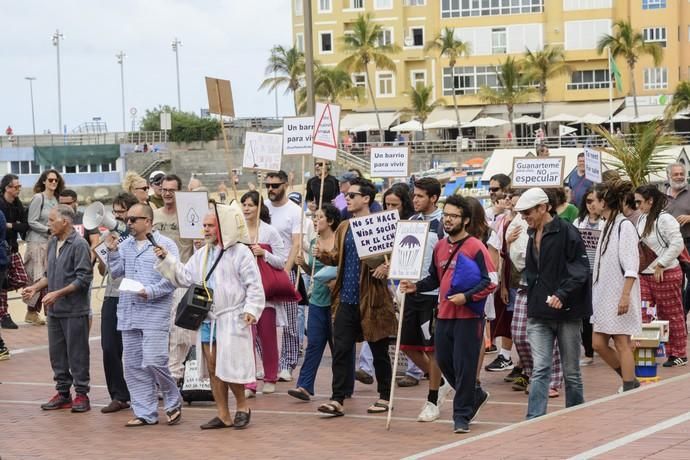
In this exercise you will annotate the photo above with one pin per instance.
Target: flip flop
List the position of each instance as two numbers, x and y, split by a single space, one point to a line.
300 393
378 408
333 408
138 421
174 415
215 424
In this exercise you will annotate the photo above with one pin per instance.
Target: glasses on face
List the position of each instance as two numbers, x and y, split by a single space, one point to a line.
119 211
447 215
590 201
494 189
52 180
274 185
144 188
527 212
352 195
17 187
168 190
68 203
318 164
133 219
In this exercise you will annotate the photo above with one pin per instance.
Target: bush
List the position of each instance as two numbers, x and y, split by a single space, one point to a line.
186 126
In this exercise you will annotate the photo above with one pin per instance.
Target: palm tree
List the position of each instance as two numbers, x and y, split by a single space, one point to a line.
362 46
681 99
511 90
285 68
639 154
421 104
541 66
331 84
449 46
629 44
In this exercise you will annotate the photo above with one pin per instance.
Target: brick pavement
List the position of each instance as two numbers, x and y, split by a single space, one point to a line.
286 428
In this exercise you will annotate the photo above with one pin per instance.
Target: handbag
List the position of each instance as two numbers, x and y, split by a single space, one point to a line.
196 303
647 256
277 284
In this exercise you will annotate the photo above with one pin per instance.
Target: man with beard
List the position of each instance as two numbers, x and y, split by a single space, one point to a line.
460 318
679 207
498 186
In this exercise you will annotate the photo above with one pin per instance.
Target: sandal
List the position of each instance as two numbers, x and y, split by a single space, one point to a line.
174 415
379 407
215 424
139 421
333 408
553 393
300 393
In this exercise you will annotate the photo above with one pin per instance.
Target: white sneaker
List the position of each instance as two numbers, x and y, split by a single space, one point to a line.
285 376
429 413
268 388
249 394
443 393
259 375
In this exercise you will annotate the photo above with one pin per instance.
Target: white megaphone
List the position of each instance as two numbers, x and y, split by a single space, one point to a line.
96 216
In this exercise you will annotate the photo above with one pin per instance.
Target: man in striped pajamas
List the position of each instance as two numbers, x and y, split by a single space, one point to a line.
144 319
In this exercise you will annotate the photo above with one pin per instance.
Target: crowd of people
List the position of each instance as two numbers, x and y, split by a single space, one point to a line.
516 274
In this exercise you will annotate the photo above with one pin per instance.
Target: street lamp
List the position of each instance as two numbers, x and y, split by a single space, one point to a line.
31 92
57 36
121 60
175 47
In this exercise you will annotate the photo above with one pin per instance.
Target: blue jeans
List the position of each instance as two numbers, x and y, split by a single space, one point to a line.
540 335
300 324
318 335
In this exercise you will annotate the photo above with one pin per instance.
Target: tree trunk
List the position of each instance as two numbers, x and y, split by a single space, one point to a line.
455 101
542 93
633 87
376 110
512 125
294 101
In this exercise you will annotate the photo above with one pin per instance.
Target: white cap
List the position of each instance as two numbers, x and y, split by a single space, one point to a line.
531 198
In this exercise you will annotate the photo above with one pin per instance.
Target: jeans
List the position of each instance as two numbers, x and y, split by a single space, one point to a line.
318 336
541 334
301 324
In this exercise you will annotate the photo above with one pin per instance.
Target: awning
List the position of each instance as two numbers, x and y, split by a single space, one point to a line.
448 113
645 113
412 125
576 109
485 122
73 155
591 119
367 121
525 119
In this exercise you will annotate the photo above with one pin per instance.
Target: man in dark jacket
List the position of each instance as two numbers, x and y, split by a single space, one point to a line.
558 297
331 186
15 215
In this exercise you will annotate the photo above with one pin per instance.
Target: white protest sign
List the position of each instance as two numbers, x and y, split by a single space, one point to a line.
191 209
592 165
262 151
101 249
297 135
538 172
326 130
390 161
407 260
374 233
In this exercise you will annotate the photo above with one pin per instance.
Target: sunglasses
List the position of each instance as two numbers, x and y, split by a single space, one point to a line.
133 219
590 201
318 164
274 186
494 189
144 188
52 181
352 195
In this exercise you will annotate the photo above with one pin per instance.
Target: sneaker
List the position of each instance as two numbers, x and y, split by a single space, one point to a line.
363 377
259 375
114 406
500 364
429 413
407 381
249 394
7 323
58 402
443 393
81 403
586 361
285 376
521 383
33 317
514 374
490 350
674 361
480 398
461 428
268 388
4 354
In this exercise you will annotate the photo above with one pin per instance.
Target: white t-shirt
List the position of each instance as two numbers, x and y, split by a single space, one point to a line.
286 219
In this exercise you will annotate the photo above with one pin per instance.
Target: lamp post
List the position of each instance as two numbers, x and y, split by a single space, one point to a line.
57 36
31 92
175 47
121 60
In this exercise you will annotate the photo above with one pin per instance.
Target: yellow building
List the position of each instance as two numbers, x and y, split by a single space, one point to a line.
496 29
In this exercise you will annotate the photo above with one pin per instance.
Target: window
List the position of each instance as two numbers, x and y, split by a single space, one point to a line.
589 79
385 36
498 41
25 167
465 8
655 78
325 6
326 42
468 80
69 169
416 37
414 2
109 167
385 86
653 4
383 4
418 78
583 35
356 4
299 42
359 80
570 5
298 7
655 35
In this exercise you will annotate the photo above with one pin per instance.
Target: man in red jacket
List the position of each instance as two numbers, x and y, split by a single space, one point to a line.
460 320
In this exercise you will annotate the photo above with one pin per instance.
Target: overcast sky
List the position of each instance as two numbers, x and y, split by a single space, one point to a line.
228 39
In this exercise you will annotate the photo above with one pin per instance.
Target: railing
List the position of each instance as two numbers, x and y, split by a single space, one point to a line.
136 137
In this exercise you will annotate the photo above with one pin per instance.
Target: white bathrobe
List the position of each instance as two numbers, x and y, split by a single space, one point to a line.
238 290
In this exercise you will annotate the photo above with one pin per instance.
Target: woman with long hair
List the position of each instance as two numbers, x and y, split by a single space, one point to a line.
319 333
136 185
398 197
661 282
617 312
46 194
589 218
261 232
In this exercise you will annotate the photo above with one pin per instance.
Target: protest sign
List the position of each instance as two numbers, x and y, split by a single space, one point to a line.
191 209
262 151
390 161
593 165
374 233
408 250
101 249
297 135
538 172
326 131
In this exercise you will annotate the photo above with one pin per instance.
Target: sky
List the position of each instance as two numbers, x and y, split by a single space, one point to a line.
228 39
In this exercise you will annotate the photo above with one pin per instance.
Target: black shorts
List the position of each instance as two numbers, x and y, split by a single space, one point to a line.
418 323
